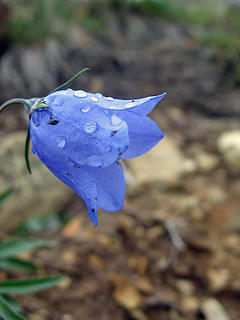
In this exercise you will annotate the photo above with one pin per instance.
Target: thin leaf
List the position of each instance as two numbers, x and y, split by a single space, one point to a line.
12 303
12 247
7 312
29 285
5 194
26 151
67 84
41 223
16 264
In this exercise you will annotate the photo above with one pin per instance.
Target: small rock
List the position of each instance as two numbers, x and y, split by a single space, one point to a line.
206 161
213 310
229 147
144 285
218 279
189 166
163 164
125 293
186 287
190 304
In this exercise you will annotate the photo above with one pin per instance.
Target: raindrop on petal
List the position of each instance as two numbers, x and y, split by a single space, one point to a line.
94 99
86 109
90 127
61 142
95 161
99 95
131 104
115 120
109 98
80 94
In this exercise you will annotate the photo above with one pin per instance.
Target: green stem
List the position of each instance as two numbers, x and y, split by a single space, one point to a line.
12 101
66 84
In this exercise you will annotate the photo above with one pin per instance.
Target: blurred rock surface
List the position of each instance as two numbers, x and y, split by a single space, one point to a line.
163 164
34 194
229 147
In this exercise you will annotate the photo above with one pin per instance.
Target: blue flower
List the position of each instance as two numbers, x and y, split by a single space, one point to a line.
82 136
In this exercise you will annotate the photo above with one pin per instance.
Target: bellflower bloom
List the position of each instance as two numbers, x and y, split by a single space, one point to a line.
82 136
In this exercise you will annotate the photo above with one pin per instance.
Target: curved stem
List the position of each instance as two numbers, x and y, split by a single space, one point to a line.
66 84
12 101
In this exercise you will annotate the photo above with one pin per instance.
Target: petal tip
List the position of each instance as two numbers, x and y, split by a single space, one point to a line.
93 217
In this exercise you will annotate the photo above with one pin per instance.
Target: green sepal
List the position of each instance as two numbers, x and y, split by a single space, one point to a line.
26 151
67 84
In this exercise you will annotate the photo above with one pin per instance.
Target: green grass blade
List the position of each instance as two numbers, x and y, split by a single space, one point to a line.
29 285
67 84
16 264
5 195
13 247
7 313
12 303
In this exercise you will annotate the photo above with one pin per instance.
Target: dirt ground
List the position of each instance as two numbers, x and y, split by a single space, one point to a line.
173 253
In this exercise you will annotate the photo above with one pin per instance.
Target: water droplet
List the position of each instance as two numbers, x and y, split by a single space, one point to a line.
36 123
94 99
99 95
115 120
90 127
35 119
109 98
61 142
86 109
130 104
80 94
95 161
106 112
107 148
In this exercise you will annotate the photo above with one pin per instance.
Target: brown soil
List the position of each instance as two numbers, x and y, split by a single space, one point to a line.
169 250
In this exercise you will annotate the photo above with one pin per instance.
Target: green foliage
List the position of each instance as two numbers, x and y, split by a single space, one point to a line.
39 224
5 195
15 246
29 285
7 312
9 261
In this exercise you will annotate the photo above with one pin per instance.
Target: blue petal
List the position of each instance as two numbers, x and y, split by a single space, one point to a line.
144 134
94 137
140 106
76 177
111 187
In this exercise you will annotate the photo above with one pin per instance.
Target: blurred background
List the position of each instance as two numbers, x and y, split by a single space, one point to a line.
173 253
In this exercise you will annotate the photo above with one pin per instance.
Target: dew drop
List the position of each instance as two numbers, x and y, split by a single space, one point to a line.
94 99
109 98
80 94
99 95
115 120
106 112
131 104
60 142
86 109
94 161
90 127
35 123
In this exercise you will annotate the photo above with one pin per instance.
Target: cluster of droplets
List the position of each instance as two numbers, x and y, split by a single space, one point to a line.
101 100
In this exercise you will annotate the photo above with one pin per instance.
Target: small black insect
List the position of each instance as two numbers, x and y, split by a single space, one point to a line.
113 132
53 122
